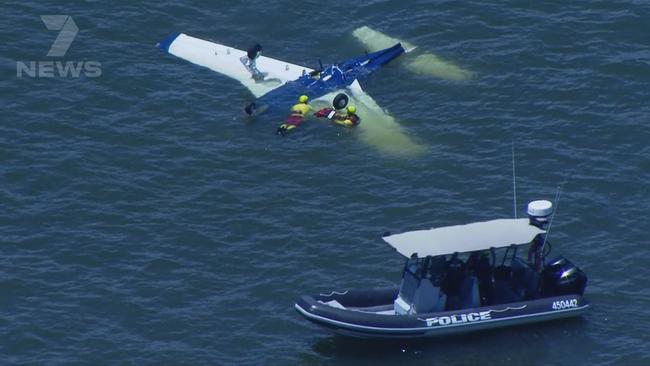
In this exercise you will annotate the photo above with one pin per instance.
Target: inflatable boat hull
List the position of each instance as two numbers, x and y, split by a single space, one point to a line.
369 314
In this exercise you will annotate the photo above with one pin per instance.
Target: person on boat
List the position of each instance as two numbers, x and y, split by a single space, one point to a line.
535 253
478 265
249 61
298 113
348 119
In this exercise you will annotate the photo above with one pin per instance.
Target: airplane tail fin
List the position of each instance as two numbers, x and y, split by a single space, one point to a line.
424 64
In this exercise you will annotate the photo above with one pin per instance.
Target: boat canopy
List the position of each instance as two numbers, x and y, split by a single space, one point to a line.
464 238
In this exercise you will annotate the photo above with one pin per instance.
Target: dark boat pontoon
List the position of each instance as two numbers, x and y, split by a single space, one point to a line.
459 279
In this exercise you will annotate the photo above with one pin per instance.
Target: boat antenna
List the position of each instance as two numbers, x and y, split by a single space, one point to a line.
514 180
550 224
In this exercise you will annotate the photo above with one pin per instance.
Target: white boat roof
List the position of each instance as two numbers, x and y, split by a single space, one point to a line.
464 238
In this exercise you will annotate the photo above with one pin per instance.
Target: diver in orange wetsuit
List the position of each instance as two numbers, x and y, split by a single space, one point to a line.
350 119
298 113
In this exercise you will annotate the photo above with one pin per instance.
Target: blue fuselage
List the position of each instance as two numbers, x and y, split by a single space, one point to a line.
333 78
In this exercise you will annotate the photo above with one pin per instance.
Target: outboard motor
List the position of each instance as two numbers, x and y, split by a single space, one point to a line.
561 277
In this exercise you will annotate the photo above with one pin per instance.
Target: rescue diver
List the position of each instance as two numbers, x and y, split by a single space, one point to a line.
249 61
349 119
298 113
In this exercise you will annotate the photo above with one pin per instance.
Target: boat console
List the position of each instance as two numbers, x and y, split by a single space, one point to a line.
490 276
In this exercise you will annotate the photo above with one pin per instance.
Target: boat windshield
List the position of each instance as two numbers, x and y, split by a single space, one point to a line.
409 285
411 278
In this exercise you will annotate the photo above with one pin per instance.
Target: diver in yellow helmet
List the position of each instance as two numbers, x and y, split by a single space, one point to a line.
349 119
302 107
298 113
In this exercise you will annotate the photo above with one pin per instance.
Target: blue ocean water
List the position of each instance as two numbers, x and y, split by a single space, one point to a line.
146 220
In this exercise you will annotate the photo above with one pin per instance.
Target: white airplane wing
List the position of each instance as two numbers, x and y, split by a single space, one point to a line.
226 60
377 128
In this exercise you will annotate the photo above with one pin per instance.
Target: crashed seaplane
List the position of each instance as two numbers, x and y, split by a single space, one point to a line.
277 84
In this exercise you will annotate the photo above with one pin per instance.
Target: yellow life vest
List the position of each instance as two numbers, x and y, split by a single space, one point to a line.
301 108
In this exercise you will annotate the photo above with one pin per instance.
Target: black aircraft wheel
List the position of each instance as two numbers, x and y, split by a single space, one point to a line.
340 101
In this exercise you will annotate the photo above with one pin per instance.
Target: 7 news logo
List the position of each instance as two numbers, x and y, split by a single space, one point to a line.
50 69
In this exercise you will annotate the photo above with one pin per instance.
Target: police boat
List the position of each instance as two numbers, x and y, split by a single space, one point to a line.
459 279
